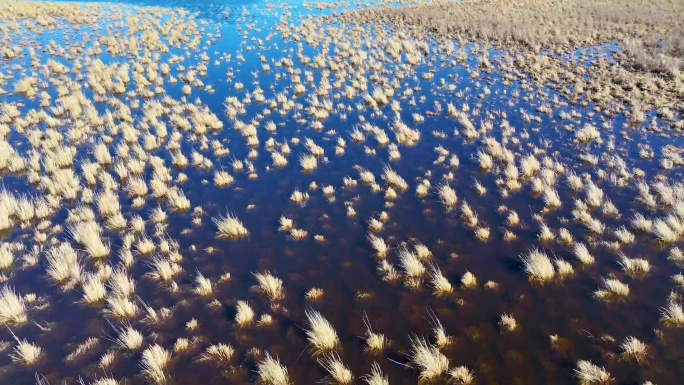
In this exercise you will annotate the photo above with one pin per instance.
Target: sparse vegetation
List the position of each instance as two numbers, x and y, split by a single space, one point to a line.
518 124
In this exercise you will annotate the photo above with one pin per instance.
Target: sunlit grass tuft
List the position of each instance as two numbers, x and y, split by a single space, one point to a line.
321 334
154 364
12 308
244 315
379 245
128 338
376 377
269 285
462 375
27 353
339 372
427 359
612 289
589 373
230 227
272 372
538 266
672 314
632 348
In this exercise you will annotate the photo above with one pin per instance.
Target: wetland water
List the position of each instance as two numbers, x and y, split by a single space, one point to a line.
559 322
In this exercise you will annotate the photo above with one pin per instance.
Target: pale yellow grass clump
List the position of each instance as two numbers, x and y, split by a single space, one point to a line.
203 286
272 372
279 161
321 334
128 338
163 270
154 364
298 234
94 290
244 314
366 176
507 322
589 373
121 308
393 179
285 224
219 354
440 284
482 234
308 162
582 253
339 372
442 339
632 348
298 197
427 359
63 266
376 377
375 342
222 179
462 375
612 289
411 264
145 246
538 266
378 245
314 294
230 227
468 280
634 266
88 234
177 200
26 353
447 196
269 285
672 314
12 308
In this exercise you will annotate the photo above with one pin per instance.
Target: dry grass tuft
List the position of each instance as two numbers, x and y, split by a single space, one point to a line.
582 253
219 355
462 375
272 372
154 364
376 377
427 359
339 372
589 373
26 353
447 196
12 308
379 245
244 315
508 323
269 285
672 314
634 349
612 289
321 334
375 342
230 227
129 338
538 266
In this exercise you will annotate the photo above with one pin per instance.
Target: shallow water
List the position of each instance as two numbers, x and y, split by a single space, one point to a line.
343 265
